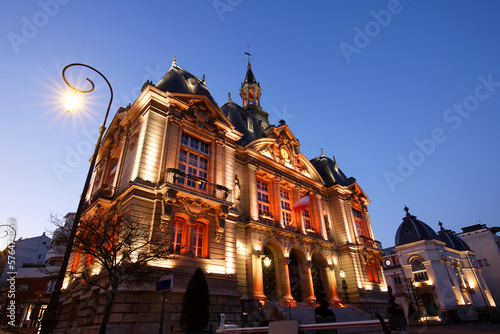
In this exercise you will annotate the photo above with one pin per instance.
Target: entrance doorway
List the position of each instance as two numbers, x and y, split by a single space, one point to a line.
269 275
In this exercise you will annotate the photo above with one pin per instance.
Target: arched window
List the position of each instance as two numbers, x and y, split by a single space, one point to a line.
178 233
418 269
199 243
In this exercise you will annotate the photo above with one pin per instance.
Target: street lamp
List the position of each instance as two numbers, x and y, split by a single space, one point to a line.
267 261
49 320
344 286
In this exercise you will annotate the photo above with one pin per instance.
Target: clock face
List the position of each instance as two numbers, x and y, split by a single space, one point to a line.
387 262
284 153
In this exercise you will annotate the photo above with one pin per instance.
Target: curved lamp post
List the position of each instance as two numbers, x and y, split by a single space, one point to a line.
49 320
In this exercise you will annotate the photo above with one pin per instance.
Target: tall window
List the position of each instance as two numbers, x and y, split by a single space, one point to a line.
371 269
112 173
263 199
360 222
193 160
307 219
198 239
286 208
179 227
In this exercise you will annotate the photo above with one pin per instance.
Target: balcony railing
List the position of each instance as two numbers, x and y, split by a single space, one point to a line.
366 241
198 184
105 192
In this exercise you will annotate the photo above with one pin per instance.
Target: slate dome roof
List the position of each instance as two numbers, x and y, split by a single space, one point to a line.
178 80
412 229
451 239
330 171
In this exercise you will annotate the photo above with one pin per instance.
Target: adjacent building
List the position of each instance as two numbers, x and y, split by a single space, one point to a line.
37 274
435 274
486 244
236 197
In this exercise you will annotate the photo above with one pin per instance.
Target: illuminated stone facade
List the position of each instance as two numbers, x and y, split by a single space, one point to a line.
222 183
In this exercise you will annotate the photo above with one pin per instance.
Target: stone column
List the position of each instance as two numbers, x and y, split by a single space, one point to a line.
285 280
330 285
252 185
276 198
258 285
309 285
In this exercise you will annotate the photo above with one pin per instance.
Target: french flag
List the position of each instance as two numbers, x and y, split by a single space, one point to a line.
302 203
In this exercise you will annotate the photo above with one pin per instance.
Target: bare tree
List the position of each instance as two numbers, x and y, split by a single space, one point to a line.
123 249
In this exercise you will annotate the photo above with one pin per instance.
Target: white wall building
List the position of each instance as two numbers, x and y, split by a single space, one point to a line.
435 273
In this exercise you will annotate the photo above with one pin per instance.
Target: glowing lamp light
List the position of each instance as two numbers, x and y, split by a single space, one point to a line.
342 273
72 101
267 261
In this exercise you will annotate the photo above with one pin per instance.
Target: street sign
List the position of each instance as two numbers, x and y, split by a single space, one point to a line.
165 283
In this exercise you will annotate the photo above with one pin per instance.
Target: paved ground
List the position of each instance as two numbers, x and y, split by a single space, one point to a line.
453 329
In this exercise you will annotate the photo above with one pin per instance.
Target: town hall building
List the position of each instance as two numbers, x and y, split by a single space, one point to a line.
270 227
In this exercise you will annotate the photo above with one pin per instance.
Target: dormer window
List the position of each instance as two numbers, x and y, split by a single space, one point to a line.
250 124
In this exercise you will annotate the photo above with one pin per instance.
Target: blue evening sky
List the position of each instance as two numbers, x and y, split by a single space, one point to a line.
405 94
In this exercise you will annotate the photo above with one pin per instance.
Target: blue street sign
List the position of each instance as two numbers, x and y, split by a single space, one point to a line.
165 283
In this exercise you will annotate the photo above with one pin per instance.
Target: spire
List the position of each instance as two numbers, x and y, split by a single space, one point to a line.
229 97
250 90
174 63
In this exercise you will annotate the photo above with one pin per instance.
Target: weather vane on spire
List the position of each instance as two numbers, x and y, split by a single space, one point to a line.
248 54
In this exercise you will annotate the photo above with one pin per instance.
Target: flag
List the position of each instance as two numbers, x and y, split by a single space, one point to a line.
302 203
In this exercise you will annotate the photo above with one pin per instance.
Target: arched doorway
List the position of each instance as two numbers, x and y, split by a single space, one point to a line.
269 275
318 287
294 275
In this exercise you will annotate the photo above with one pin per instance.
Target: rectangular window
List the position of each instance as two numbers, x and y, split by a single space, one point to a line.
420 276
193 160
307 219
286 208
198 235
50 286
371 269
195 144
263 199
177 237
486 263
480 262
397 280
360 223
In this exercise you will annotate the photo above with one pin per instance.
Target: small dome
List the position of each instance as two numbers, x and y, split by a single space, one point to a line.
412 229
451 239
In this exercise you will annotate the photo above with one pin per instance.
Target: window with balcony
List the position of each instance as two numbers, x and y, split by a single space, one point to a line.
193 161
263 199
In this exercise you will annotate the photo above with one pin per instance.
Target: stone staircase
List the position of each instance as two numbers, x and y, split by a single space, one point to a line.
305 314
